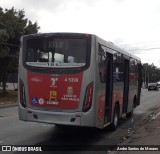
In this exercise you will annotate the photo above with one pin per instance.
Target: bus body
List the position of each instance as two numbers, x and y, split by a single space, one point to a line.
76 79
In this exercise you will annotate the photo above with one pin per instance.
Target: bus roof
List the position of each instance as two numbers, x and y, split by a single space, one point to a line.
114 47
108 44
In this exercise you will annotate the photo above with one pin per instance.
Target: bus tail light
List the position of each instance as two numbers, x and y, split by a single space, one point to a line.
88 98
22 93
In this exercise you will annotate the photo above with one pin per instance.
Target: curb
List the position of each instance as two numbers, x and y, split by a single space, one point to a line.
8 105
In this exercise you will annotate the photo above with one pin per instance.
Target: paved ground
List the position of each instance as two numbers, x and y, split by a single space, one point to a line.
7 104
147 136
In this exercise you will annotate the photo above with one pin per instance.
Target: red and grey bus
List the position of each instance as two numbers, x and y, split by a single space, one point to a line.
76 79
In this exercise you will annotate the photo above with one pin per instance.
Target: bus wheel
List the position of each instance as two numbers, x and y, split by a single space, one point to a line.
115 121
130 114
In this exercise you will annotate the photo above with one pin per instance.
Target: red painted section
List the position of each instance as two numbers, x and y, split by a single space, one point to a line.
117 96
54 91
101 107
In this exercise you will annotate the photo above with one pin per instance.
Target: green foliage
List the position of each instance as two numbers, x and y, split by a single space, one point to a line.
150 73
13 25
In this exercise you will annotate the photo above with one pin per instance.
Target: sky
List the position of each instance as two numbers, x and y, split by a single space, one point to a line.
133 25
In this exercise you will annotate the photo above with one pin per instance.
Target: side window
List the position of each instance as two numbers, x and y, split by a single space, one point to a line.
102 63
136 69
118 67
133 69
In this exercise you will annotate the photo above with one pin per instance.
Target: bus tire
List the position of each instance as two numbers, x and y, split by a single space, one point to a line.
130 114
114 124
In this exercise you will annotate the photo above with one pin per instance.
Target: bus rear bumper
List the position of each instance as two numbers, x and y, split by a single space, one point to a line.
59 118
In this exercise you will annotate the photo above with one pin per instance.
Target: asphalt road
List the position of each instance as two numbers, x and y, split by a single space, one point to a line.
15 132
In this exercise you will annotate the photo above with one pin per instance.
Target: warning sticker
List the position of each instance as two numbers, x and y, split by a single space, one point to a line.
53 94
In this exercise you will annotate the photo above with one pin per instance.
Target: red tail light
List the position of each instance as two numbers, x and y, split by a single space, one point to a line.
22 93
88 98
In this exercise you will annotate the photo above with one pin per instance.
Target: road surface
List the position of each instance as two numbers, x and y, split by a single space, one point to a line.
15 132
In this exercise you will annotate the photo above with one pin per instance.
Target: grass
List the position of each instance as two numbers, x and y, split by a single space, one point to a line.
10 97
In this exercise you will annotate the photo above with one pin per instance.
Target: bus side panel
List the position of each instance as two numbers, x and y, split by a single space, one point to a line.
139 83
101 98
22 79
100 92
118 82
133 84
88 118
104 82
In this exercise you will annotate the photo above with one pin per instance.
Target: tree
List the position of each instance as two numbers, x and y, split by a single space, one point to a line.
150 73
13 25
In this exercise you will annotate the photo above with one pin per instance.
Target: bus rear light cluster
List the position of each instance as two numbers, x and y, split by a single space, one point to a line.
88 98
22 93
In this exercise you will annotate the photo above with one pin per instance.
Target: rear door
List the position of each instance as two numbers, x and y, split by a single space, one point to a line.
109 87
126 85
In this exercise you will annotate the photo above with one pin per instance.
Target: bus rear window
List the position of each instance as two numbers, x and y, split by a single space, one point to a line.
58 53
